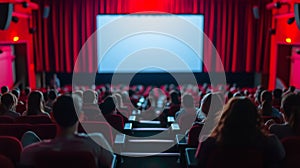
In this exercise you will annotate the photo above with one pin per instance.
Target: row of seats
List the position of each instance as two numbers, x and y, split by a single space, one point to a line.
246 158
34 119
11 148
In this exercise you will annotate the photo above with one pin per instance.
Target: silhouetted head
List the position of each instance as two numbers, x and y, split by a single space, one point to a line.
35 103
52 94
239 123
108 105
66 110
7 102
4 89
188 101
90 96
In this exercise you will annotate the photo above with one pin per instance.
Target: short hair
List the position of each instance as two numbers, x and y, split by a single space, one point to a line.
27 90
266 96
108 105
4 89
174 97
289 102
277 93
65 110
16 92
52 94
7 99
292 88
188 100
89 96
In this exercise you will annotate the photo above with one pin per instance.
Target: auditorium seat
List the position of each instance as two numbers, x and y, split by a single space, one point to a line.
10 147
5 162
34 119
193 136
15 130
229 157
292 146
74 159
97 126
45 131
6 120
235 158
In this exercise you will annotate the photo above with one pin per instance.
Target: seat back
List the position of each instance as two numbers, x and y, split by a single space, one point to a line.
193 136
74 159
173 109
15 130
6 120
235 158
34 119
10 147
5 162
97 126
291 145
45 131
116 121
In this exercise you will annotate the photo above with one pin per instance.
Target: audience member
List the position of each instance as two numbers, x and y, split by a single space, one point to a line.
35 104
90 107
266 108
65 111
4 89
291 110
51 96
277 96
8 103
240 126
20 107
174 104
54 82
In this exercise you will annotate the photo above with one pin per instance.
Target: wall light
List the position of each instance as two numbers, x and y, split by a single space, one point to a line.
16 38
288 40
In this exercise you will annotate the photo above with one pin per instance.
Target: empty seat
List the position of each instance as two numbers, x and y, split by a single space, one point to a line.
74 159
35 119
291 145
10 147
6 120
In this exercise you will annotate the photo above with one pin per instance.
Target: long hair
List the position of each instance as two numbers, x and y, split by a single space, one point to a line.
291 108
7 102
266 100
240 123
35 103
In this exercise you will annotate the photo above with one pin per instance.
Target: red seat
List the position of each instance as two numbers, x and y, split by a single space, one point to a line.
34 119
6 120
235 158
116 121
74 159
10 147
6 162
96 126
173 109
292 146
193 136
15 130
45 131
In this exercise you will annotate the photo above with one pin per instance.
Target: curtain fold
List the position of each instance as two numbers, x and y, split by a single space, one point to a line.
241 41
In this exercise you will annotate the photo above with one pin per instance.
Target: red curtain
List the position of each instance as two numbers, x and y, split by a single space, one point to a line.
241 41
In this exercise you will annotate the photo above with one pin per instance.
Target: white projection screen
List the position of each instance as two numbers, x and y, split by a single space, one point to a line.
152 47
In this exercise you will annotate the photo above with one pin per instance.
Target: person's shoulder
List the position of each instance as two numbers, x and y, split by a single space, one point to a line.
279 127
36 146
